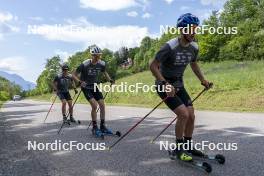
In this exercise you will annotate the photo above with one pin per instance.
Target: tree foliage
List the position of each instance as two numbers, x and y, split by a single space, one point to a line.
8 89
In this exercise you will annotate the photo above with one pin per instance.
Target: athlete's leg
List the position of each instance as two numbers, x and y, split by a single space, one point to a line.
93 104
100 100
63 103
182 118
180 126
70 107
185 98
179 108
102 109
188 132
63 107
88 93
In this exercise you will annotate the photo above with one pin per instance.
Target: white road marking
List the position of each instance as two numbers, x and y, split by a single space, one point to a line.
240 132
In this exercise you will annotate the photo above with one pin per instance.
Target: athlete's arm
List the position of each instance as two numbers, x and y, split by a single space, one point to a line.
154 68
108 77
77 79
197 71
74 85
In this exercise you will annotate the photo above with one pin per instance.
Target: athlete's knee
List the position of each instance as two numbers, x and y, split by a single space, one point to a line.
94 106
183 114
70 104
192 117
101 105
70 107
64 103
191 114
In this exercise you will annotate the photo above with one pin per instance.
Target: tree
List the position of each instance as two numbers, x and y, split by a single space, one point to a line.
45 80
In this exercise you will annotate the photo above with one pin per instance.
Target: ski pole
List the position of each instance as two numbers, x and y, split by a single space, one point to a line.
50 108
154 139
68 114
99 108
133 127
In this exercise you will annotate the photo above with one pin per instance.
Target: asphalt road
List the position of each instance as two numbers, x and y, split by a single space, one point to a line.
21 122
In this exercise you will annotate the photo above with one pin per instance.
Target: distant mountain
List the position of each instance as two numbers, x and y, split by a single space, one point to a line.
25 85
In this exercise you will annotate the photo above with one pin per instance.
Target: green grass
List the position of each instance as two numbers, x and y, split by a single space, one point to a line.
238 86
1 103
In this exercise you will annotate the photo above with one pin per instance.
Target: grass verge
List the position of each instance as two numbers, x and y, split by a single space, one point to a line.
238 86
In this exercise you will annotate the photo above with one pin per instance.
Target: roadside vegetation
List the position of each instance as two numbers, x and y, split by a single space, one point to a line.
238 86
7 90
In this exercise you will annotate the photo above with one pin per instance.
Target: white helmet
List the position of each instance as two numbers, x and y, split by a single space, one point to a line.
95 50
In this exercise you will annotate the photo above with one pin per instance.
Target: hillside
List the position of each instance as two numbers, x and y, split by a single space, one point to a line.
238 86
25 85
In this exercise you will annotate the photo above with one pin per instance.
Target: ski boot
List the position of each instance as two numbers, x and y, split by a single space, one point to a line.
97 132
72 119
65 120
105 130
180 154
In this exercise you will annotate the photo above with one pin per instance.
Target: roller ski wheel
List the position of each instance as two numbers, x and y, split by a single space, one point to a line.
197 164
207 167
220 159
118 133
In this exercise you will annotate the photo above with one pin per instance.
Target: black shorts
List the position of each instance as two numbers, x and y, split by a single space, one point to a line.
90 93
64 96
181 97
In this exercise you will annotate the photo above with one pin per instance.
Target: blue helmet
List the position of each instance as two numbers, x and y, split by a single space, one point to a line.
186 19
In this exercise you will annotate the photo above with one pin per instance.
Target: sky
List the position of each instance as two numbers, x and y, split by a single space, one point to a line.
32 31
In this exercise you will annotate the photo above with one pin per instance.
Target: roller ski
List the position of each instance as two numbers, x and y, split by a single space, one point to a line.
183 156
218 158
197 153
97 133
108 132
